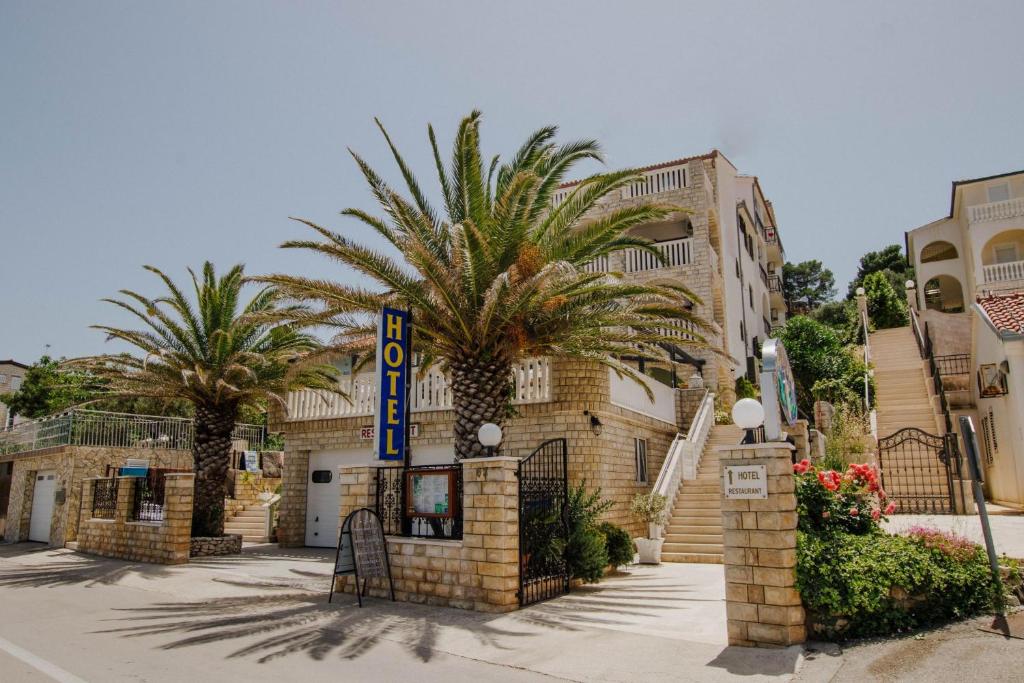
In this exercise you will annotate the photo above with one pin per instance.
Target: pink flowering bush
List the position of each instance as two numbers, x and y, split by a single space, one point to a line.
852 501
957 547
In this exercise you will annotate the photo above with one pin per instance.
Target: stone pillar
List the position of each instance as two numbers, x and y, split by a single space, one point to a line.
763 606
179 489
687 403
291 523
801 439
125 489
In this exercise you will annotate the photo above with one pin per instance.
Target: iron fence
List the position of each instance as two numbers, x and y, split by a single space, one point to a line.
391 505
953 364
79 427
104 498
148 496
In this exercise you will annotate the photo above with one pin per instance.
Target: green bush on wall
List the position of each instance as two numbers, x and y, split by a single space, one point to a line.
879 584
619 544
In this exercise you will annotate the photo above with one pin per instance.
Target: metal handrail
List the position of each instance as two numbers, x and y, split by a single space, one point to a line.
867 362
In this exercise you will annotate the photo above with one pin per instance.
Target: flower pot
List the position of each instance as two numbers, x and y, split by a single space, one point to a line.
650 550
653 530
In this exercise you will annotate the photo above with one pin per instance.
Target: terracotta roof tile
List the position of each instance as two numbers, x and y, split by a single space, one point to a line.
1005 310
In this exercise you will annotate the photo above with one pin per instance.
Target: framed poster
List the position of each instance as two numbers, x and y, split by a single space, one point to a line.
430 493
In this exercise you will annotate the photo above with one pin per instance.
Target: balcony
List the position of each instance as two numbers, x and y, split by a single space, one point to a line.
674 253
430 392
996 211
657 181
1003 272
775 284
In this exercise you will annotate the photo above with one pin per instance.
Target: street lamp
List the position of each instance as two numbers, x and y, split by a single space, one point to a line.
748 414
489 436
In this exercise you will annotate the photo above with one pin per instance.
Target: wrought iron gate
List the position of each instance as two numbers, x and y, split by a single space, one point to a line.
543 523
919 470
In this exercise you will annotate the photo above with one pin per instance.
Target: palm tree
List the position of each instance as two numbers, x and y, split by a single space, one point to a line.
215 354
501 275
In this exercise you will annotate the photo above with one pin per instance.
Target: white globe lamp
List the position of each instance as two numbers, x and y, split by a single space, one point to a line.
910 284
489 436
860 291
748 414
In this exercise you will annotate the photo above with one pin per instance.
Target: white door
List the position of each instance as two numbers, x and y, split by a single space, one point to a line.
323 493
42 506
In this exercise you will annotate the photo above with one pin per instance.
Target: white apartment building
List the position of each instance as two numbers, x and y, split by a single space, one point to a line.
969 269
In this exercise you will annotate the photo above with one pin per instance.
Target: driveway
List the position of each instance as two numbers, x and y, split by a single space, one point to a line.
263 616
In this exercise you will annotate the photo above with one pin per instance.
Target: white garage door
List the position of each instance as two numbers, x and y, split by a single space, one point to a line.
323 493
42 506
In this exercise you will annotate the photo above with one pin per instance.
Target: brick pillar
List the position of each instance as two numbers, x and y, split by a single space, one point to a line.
87 499
179 489
763 606
291 523
687 403
125 489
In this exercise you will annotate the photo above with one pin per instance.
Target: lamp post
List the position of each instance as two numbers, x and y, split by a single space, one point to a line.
748 414
489 436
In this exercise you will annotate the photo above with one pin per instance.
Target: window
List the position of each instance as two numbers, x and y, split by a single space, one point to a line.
737 267
750 295
15 383
992 430
999 193
322 477
986 435
1005 253
640 453
3 378
743 331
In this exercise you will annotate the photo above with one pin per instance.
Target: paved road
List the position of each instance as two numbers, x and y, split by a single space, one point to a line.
263 617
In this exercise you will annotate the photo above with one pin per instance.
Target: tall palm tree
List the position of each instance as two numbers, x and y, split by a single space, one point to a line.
501 274
215 353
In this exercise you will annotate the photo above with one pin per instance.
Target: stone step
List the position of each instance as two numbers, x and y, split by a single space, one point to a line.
694 558
710 529
715 539
698 548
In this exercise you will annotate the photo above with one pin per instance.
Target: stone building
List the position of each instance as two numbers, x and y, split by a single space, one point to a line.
12 374
723 245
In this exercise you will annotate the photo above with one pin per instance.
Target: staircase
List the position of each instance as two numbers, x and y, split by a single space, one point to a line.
250 522
694 530
902 397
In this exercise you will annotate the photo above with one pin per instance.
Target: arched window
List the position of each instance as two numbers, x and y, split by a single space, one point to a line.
938 251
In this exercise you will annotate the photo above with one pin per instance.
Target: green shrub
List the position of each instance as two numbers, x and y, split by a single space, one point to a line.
849 501
746 389
619 544
586 553
648 508
878 584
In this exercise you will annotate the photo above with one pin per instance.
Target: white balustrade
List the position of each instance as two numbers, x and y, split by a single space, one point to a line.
995 211
674 252
684 455
626 393
657 181
1003 272
431 391
598 265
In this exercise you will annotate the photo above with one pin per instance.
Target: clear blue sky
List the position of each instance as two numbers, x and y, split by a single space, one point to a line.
169 133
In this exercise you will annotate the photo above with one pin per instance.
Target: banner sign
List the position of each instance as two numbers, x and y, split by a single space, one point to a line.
778 389
134 467
393 367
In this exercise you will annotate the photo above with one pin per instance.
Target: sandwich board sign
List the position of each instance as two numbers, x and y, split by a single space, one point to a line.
362 553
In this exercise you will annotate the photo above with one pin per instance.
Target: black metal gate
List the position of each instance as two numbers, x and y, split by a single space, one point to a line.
543 523
919 470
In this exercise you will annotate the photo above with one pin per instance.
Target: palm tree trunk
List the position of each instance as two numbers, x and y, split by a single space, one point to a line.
480 394
211 455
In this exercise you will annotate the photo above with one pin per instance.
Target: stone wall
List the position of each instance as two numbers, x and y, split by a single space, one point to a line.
73 464
480 572
763 606
165 542
210 546
950 332
605 461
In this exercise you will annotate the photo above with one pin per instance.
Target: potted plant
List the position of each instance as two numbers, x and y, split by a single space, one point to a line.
649 508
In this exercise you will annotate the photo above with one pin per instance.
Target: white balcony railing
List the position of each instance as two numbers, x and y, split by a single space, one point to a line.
1003 272
598 265
657 181
432 391
674 252
996 211
627 394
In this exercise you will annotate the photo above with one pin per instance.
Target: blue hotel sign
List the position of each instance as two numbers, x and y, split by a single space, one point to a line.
393 367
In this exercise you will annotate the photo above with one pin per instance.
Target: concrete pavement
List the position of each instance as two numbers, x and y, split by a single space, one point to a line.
263 617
